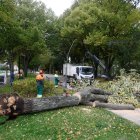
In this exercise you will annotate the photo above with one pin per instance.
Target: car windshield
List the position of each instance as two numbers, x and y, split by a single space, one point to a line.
87 70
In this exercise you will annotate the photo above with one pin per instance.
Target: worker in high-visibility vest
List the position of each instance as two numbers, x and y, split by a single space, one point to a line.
40 83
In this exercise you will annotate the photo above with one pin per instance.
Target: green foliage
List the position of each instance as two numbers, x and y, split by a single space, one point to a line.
123 88
23 24
32 20
27 87
9 30
74 123
43 60
105 27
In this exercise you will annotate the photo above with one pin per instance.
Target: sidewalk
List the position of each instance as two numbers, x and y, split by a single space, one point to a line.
131 115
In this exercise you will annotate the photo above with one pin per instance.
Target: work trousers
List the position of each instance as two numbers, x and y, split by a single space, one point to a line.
39 90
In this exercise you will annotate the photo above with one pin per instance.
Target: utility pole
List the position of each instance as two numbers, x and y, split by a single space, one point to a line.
68 60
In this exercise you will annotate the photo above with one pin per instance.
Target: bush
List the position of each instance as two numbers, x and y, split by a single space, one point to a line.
27 87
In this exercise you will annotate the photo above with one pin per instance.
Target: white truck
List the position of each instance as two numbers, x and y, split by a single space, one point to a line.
78 71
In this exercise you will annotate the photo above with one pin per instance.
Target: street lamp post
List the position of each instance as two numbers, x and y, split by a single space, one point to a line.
68 60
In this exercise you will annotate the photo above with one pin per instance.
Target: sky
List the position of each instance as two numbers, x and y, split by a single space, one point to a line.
58 6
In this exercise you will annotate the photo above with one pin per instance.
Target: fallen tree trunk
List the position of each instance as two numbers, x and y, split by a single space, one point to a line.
49 103
15 105
113 106
101 98
99 91
83 97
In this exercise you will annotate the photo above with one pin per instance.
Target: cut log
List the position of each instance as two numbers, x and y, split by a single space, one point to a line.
114 106
49 103
11 104
101 98
99 91
84 97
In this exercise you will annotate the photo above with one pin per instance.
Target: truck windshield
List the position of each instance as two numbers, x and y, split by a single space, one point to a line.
86 70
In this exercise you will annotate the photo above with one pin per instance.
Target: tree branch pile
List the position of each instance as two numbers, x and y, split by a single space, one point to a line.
99 98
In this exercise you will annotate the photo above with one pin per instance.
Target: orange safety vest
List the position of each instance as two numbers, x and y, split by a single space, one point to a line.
39 77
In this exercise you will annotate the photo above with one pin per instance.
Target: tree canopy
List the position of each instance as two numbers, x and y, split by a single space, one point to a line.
32 36
105 27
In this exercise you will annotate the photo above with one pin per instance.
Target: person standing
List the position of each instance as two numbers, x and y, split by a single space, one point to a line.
56 79
12 77
40 83
21 74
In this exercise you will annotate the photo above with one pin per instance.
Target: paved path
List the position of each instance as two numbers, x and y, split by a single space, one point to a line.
131 115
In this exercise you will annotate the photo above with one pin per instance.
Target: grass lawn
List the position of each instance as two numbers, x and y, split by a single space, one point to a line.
74 123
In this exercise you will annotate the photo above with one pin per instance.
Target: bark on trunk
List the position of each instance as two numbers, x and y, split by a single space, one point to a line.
100 91
50 103
113 106
84 97
101 98
41 104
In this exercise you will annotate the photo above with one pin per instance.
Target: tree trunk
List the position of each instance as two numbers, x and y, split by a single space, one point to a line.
50 103
95 70
83 97
26 60
31 105
101 98
11 62
100 91
19 64
109 63
25 65
113 106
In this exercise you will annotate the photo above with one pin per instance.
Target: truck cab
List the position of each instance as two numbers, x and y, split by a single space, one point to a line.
85 72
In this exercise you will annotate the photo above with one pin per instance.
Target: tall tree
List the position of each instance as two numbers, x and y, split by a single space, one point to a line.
33 17
102 26
9 30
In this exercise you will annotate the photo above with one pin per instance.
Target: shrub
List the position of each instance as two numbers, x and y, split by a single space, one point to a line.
27 87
